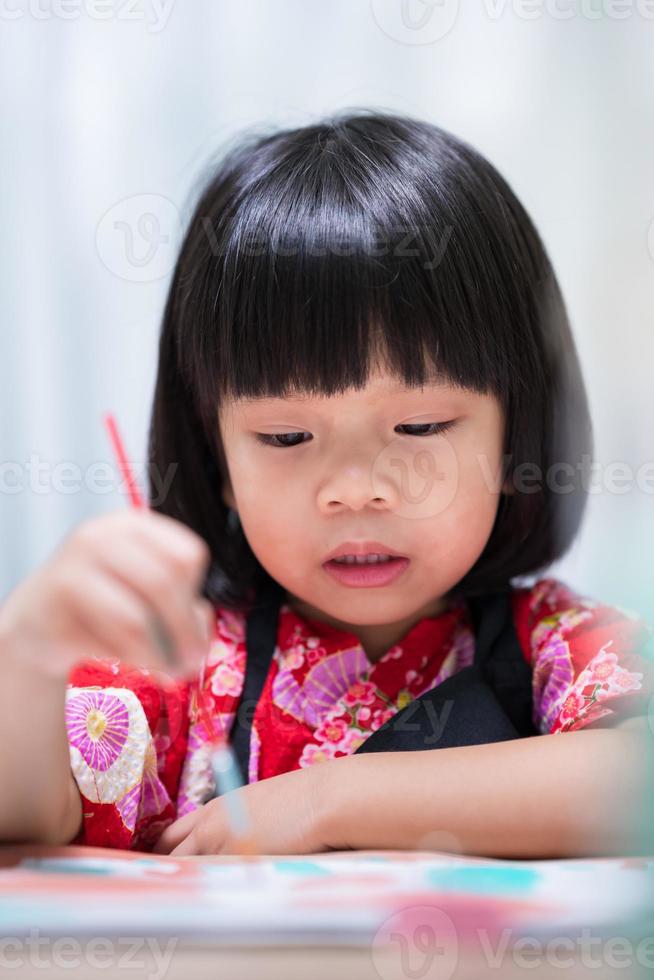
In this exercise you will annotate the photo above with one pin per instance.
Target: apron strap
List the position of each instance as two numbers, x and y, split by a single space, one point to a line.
499 657
260 642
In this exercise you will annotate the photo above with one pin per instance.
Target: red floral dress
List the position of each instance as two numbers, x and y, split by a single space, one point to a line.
140 754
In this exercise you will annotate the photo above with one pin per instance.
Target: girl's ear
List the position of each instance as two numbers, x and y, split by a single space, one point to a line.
507 487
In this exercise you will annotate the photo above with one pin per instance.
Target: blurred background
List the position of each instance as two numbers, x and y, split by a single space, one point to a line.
109 111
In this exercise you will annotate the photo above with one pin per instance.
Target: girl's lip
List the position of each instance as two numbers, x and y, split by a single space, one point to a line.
367 576
362 548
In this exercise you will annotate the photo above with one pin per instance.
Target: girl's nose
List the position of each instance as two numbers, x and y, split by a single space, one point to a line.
356 486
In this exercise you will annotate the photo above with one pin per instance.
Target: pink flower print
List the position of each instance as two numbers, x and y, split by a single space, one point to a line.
331 731
313 656
226 680
228 645
602 670
380 716
224 652
229 634
627 681
574 704
311 754
294 657
302 649
605 669
98 724
362 692
363 717
413 678
350 742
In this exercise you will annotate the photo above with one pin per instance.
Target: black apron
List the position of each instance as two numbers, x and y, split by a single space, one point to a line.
488 701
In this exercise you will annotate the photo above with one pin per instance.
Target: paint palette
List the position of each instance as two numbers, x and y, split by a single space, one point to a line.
348 896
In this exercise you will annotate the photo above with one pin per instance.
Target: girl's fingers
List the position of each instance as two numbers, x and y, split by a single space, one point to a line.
176 832
187 848
177 547
184 632
111 616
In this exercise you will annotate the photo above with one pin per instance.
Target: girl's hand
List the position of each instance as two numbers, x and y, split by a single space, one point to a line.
287 815
102 592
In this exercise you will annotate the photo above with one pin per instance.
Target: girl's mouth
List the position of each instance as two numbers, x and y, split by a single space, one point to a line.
369 575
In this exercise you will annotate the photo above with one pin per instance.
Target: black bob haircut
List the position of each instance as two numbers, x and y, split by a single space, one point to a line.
313 250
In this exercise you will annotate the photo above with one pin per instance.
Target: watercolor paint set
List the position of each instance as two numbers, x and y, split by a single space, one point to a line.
348 897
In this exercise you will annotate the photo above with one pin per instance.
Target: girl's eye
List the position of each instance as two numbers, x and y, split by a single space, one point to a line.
267 440
433 428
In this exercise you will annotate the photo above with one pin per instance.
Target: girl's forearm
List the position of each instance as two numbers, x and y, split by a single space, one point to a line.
568 794
36 798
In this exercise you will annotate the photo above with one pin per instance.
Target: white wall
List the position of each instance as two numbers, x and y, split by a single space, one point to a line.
97 111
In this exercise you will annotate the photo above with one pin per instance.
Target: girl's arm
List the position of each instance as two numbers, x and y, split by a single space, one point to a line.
38 790
547 796
96 598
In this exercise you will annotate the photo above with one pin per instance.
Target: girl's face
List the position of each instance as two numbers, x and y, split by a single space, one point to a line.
366 466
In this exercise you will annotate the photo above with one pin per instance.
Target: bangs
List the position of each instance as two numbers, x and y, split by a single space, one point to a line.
311 266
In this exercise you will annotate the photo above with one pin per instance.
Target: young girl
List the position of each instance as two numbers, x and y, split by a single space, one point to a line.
364 353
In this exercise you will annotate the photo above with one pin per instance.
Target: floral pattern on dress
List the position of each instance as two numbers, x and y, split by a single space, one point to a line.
140 753
98 726
112 754
223 683
574 675
197 783
603 678
108 736
553 668
324 682
354 696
